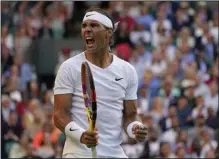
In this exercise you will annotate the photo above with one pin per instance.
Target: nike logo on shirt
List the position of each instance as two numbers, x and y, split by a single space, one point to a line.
118 79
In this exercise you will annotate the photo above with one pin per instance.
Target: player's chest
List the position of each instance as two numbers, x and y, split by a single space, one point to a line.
111 84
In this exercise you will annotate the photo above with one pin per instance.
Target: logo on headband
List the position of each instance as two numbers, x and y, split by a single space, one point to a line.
89 15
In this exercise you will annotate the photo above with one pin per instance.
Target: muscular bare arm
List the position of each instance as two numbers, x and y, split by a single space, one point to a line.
62 117
62 110
130 116
130 113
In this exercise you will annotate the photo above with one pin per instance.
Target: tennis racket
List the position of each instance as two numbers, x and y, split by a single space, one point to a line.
89 94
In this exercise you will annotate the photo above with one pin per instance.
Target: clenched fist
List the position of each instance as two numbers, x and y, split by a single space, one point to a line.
140 132
89 138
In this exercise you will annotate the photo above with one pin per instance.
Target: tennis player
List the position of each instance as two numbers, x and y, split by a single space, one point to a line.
116 90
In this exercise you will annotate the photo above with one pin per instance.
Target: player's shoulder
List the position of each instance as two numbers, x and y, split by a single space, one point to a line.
74 61
124 65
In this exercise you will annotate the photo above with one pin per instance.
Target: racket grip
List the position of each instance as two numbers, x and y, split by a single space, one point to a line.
93 149
94 153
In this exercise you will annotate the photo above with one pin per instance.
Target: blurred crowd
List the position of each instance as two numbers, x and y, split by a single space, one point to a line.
173 47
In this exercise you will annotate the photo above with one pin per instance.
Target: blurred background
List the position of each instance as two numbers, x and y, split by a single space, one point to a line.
172 45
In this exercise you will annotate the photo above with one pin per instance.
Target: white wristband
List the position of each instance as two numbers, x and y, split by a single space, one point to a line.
74 131
129 128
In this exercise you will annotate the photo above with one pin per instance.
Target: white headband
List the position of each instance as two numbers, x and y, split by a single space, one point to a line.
93 15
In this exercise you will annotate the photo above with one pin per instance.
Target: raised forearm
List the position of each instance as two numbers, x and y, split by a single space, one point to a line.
61 119
129 119
62 111
130 113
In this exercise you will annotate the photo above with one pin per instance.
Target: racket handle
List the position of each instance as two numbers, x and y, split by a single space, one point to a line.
94 153
93 149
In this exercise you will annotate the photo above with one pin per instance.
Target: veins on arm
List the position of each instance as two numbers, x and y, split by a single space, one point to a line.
62 110
130 113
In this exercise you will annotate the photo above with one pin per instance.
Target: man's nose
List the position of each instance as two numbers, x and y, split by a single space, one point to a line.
88 28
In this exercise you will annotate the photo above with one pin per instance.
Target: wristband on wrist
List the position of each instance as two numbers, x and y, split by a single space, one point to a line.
74 131
129 128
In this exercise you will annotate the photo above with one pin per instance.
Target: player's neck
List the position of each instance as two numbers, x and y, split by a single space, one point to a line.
101 58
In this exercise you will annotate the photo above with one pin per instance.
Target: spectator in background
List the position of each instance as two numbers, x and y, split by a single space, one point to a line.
157 110
123 51
215 27
210 154
187 57
18 101
31 32
57 19
6 17
157 64
19 16
12 130
153 143
13 79
45 31
167 49
122 34
180 151
45 150
195 149
200 108
208 41
181 17
175 70
165 151
39 137
168 92
6 60
184 112
7 107
22 42
143 100
185 36
213 75
7 40
207 143
140 35
146 19
166 122
126 18
35 17
19 149
25 72
139 58
183 139
34 117
199 125
212 120
171 134
47 101
161 25
211 100
33 90
158 35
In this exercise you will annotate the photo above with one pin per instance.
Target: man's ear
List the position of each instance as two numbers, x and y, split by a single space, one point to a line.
110 32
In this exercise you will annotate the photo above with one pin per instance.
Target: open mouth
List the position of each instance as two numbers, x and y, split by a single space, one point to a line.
90 41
